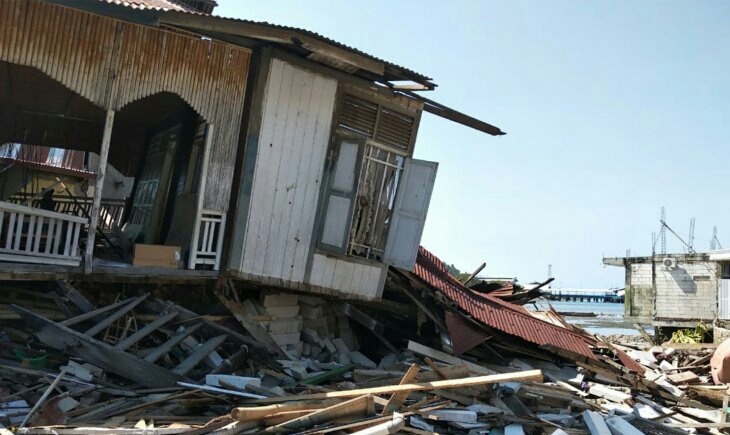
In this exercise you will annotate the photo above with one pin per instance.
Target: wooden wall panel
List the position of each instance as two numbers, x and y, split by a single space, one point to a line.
296 123
85 52
354 278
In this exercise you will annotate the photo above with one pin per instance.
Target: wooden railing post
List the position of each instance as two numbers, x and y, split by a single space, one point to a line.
98 187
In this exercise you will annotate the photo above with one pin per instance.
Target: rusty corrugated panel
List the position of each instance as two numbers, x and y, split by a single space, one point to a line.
463 335
84 52
503 316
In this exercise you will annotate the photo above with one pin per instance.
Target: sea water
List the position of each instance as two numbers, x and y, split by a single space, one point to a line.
609 318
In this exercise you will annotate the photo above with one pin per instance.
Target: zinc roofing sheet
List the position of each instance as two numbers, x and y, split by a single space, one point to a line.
394 71
155 5
503 316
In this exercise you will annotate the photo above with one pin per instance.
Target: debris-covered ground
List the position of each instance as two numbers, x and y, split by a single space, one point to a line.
431 357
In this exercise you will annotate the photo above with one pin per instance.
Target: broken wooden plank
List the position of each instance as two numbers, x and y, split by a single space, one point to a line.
397 399
97 353
351 408
445 357
220 390
523 376
75 297
92 314
145 331
43 397
167 346
252 413
198 355
682 378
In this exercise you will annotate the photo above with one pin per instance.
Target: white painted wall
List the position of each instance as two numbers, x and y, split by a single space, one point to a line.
297 113
688 292
362 280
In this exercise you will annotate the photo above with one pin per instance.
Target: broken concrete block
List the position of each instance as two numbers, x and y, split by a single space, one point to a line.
283 325
388 360
76 370
343 359
514 429
361 360
286 339
279 300
341 347
67 404
310 312
329 345
619 426
285 312
596 424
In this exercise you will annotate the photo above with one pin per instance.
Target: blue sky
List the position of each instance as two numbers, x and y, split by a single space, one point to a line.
613 109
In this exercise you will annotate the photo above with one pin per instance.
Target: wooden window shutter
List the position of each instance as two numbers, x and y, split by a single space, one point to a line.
394 129
375 121
409 213
342 189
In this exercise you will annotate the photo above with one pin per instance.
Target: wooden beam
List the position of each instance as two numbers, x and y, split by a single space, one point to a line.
98 189
445 112
523 376
145 331
198 355
351 408
397 399
169 344
445 357
94 313
75 297
98 353
253 413
113 318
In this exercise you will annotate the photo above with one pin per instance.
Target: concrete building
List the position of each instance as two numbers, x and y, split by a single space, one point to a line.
674 290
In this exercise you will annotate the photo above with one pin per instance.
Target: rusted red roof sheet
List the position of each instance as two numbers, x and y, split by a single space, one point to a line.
495 313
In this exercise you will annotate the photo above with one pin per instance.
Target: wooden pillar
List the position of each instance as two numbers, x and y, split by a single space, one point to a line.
98 190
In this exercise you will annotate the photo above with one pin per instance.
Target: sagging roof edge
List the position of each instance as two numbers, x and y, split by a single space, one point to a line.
378 70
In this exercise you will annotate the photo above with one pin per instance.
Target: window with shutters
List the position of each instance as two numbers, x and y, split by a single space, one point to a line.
365 166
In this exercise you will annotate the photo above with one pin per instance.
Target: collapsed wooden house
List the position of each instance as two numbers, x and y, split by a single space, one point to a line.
269 154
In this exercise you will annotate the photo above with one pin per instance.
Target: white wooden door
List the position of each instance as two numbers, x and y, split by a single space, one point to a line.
723 300
409 213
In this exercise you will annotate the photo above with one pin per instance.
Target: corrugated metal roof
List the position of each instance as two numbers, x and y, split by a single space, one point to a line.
503 316
509 318
175 7
155 5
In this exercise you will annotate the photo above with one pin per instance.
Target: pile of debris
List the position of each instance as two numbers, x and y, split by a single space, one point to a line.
432 356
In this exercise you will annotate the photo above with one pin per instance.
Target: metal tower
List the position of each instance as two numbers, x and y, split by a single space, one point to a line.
663 232
691 240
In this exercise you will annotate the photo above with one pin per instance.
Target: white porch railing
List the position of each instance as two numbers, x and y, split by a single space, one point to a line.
207 243
32 235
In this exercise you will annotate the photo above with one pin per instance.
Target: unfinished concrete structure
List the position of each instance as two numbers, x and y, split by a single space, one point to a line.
674 290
